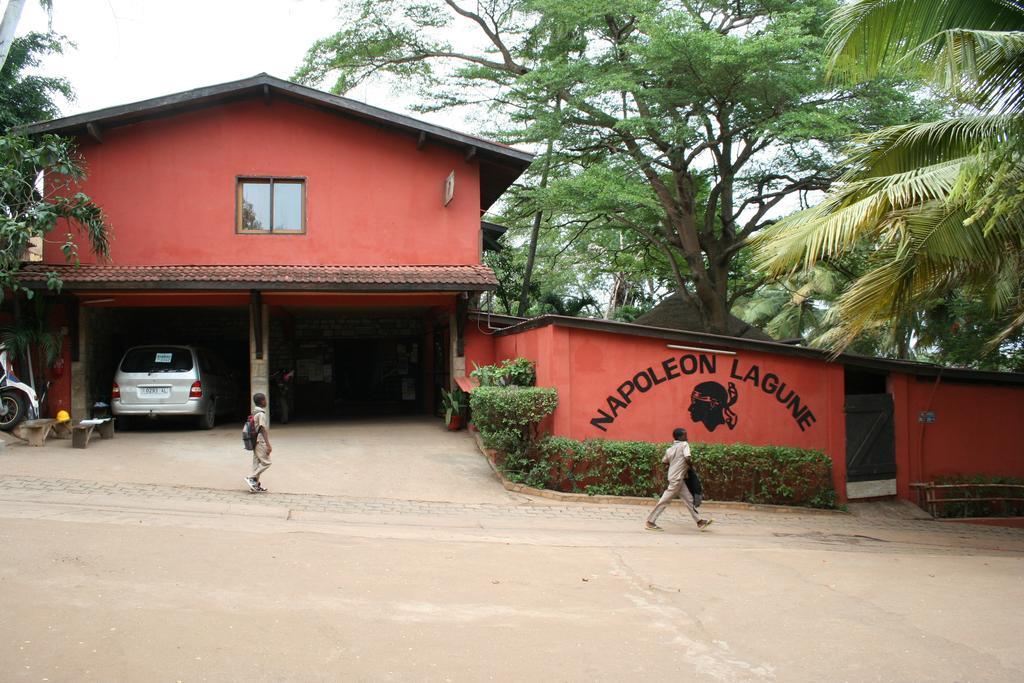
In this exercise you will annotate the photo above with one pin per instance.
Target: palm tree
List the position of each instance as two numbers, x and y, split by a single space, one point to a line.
30 338
941 203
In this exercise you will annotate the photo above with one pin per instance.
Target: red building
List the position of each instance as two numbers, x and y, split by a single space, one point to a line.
286 228
289 228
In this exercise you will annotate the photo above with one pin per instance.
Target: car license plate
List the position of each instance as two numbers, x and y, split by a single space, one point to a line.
155 392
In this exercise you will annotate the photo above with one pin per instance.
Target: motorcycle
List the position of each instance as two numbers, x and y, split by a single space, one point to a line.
18 401
281 395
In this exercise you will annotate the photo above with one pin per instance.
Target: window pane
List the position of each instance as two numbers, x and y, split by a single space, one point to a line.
255 206
157 359
287 206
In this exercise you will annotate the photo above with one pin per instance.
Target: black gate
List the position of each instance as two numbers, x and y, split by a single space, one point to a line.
870 441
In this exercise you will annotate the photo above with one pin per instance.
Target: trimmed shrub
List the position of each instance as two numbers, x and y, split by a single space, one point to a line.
496 408
602 467
519 372
777 475
754 474
508 419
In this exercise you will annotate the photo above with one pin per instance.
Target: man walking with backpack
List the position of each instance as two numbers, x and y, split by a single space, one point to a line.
258 434
677 457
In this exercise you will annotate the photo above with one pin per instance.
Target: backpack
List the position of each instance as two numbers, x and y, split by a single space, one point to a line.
249 434
693 483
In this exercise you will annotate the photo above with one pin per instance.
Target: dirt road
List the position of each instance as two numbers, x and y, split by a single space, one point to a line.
141 581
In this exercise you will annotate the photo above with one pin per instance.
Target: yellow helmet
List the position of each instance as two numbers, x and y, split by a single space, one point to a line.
62 416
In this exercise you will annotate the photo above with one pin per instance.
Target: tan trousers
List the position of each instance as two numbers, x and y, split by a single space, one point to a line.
673 490
260 461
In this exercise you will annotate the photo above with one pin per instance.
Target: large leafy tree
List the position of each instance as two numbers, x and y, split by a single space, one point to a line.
574 261
686 124
29 97
938 206
27 211
31 209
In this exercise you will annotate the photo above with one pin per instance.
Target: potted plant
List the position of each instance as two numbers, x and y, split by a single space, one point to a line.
453 404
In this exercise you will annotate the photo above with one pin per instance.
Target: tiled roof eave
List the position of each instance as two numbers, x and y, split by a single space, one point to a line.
233 277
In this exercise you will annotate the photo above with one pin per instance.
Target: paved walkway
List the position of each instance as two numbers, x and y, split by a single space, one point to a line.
399 457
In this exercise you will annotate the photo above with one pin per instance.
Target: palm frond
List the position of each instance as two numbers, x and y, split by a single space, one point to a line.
857 211
869 38
1015 325
982 68
903 148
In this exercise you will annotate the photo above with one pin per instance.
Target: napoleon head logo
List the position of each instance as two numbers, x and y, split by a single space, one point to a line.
712 405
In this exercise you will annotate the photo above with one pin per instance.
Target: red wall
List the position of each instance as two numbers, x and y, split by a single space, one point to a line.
168 189
589 368
479 344
976 431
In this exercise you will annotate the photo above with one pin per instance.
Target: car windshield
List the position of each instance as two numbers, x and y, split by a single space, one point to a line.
157 359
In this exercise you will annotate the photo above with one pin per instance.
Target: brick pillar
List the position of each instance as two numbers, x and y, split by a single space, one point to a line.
259 368
457 363
80 398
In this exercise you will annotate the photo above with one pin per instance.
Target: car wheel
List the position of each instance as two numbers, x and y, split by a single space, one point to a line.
14 410
209 418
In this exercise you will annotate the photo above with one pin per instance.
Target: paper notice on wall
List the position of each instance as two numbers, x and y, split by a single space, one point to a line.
316 372
304 367
408 389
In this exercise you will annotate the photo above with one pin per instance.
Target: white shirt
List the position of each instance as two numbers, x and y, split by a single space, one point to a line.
677 457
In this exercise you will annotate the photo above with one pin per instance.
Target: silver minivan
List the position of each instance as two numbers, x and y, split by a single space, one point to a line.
158 381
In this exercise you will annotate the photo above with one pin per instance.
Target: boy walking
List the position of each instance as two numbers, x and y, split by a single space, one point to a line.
677 457
261 451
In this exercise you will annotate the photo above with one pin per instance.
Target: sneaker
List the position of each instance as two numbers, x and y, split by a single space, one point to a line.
259 488
651 526
703 524
251 483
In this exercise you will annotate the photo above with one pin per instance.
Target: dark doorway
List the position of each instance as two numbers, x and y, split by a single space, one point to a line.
378 376
870 438
863 381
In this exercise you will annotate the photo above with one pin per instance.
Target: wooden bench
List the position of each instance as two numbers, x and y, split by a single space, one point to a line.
36 431
82 432
934 494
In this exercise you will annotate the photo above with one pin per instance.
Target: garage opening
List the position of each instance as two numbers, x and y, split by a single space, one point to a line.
222 331
356 362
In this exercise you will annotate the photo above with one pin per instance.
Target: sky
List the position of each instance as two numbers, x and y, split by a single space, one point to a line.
131 50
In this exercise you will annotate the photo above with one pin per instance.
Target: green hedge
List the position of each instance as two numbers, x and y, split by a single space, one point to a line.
508 419
753 474
497 408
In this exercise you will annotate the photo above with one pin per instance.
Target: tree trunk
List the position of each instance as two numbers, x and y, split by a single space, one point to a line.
531 253
8 26
613 299
709 277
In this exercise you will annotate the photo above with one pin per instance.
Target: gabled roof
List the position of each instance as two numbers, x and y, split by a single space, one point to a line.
500 164
233 277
